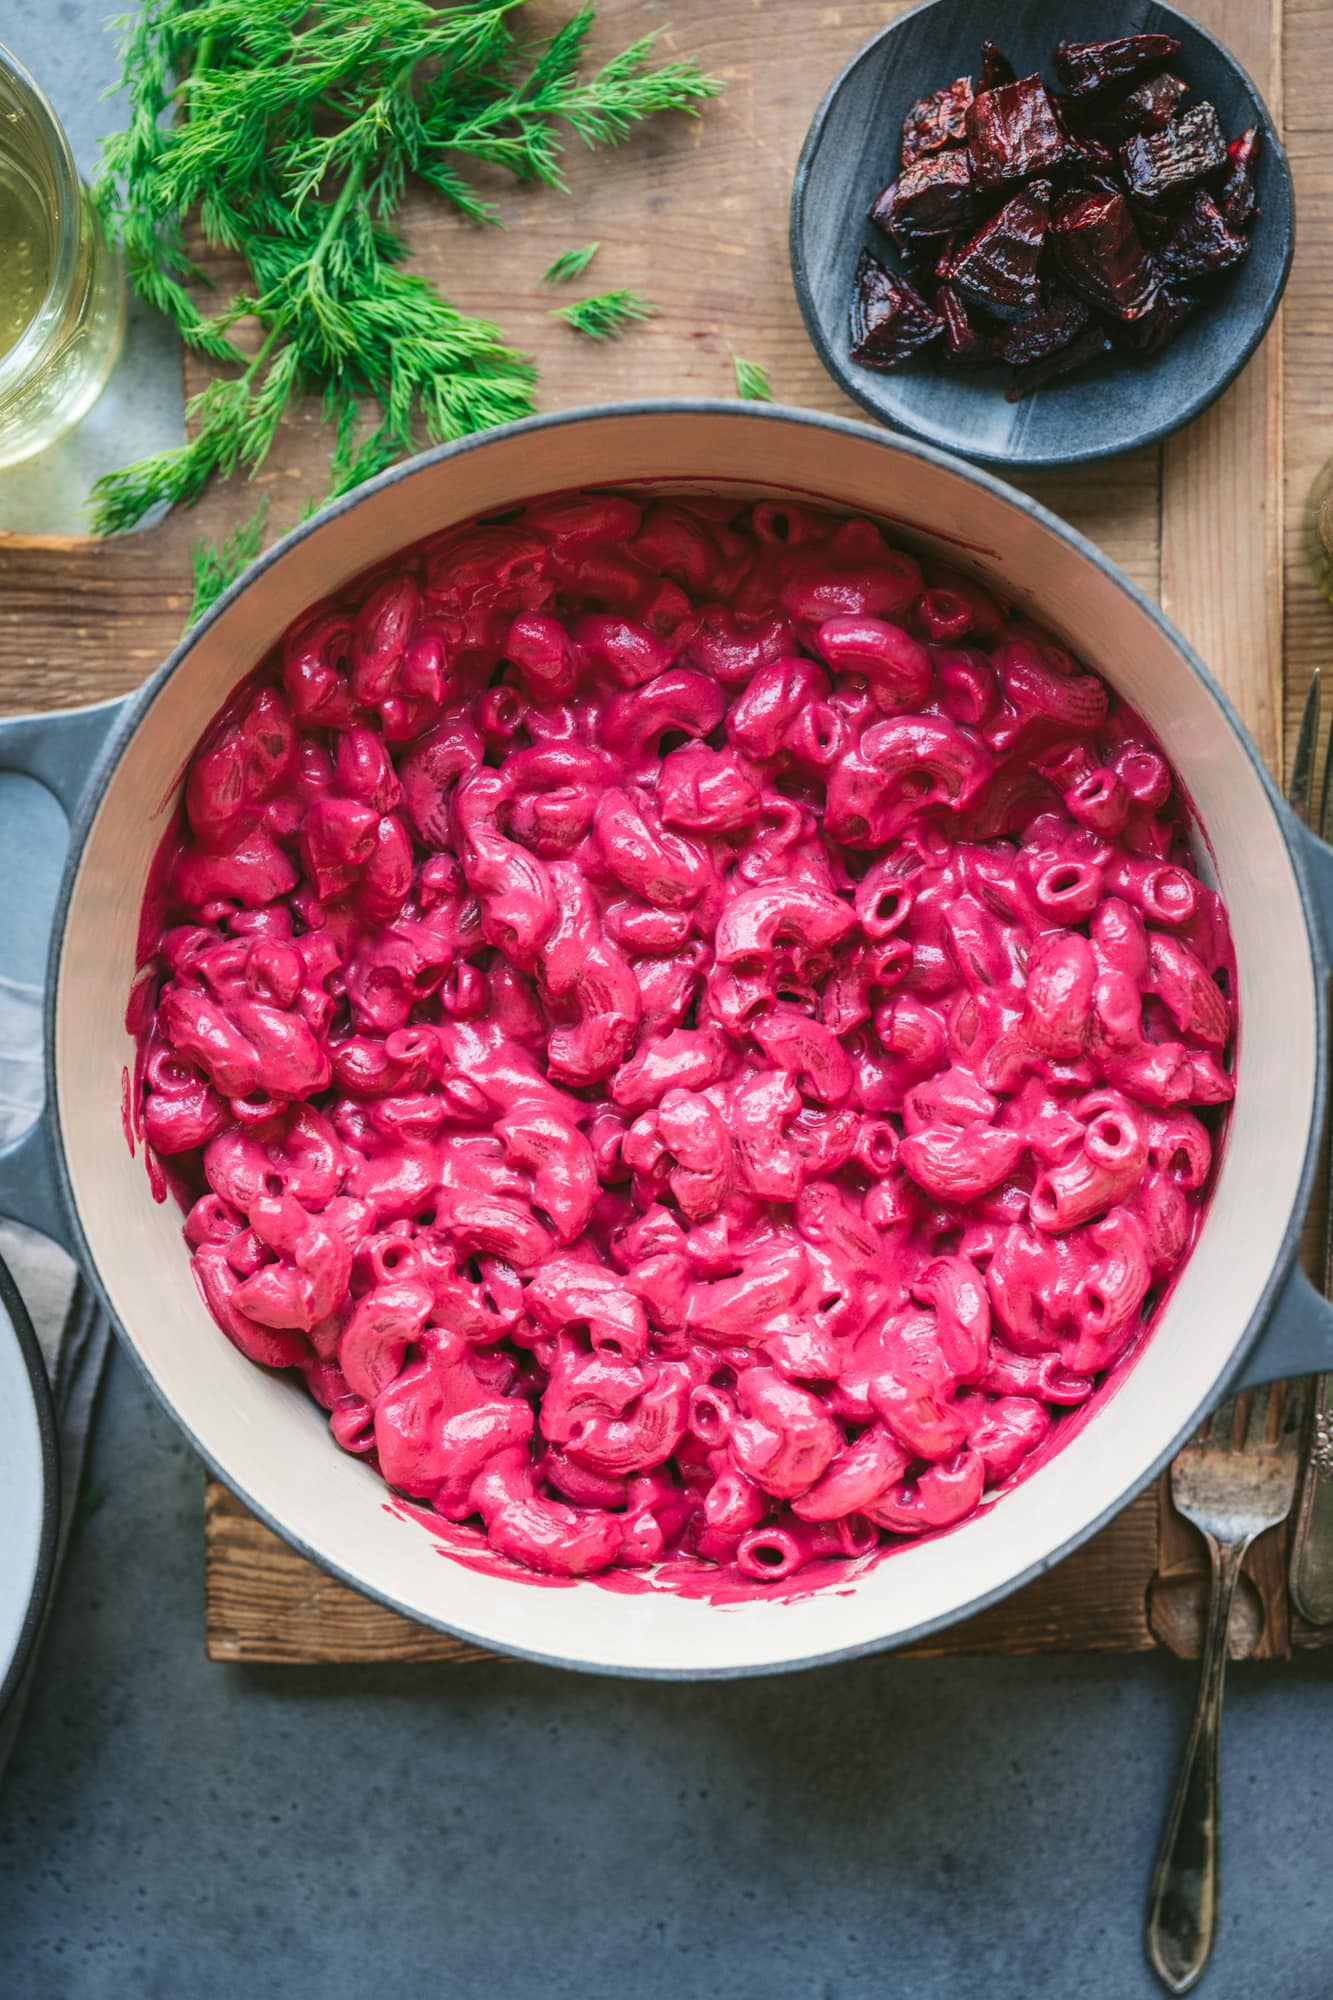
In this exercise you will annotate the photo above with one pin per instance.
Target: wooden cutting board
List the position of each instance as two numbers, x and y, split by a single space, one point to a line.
695 213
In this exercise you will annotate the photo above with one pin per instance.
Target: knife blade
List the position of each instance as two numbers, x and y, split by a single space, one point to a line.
1310 1575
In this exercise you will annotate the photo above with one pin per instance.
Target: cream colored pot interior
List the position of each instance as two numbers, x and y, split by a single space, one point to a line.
264 1435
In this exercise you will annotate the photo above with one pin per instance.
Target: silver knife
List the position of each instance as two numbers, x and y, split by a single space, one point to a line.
1311 1573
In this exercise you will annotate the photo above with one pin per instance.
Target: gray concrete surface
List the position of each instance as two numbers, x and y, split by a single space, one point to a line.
893 1830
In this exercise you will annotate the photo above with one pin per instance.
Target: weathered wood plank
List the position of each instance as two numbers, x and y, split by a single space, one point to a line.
695 214
268 1604
1222 493
1307 316
265 1603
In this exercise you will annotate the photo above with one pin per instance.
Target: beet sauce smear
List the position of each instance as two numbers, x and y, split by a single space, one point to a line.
699 1040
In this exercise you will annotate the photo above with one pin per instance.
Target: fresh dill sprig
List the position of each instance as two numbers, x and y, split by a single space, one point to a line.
607 315
570 264
752 383
216 567
286 131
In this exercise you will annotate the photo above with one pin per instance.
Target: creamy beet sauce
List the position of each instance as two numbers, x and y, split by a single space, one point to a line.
128 1108
701 1043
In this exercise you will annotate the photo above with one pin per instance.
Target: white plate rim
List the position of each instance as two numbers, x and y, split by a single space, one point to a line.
15 1312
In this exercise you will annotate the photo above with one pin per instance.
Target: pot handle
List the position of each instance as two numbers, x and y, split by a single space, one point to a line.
1297 1338
59 750
1317 856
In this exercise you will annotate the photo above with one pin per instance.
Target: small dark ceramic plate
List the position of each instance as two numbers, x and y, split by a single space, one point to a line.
851 152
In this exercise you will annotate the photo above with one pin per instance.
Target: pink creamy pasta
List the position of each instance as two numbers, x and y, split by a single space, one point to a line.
694 1037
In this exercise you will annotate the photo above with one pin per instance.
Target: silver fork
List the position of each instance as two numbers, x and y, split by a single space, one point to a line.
1235 1478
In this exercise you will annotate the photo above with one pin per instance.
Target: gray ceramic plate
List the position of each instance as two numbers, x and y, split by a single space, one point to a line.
29 1497
851 152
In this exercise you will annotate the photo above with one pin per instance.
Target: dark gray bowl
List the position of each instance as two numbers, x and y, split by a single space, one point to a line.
852 151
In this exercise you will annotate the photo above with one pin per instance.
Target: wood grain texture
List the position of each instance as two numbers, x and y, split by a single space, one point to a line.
695 213
1307 317
267 1604
1222 563
1222 490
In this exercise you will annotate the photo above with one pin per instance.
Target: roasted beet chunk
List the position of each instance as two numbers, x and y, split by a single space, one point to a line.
1080 353
962 341
1191 147
1239 202
996 68
890 320
1202 242
1059 320
1084 67
918 257
1100 157
1013 132
921 254
1170 308
930 197
937 121
997 268
1102 254
1153 224
884 212
1150 107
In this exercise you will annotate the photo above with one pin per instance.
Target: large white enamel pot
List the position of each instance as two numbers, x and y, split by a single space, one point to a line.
1240 1311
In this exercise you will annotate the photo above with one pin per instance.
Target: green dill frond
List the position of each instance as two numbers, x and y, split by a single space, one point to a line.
177 477
752 383
608 315
557 61
121 500
625 91
570 264
217 566
287 135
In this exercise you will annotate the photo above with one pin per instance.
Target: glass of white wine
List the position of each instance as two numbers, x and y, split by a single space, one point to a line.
62 286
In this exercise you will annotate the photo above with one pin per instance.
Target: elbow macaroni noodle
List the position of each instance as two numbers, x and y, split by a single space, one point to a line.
693 1037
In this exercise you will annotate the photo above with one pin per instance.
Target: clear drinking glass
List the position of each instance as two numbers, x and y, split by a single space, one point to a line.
62 286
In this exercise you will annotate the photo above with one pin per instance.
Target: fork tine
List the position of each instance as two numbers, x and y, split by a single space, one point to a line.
1221 1426
1302 763
1265 1408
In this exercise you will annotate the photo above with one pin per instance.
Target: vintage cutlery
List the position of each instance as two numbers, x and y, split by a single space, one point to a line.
1235 1478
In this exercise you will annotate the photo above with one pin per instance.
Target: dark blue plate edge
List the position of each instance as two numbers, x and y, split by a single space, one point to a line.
1018 461
50 1449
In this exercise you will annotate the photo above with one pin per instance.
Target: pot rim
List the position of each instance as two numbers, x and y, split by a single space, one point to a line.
135 709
